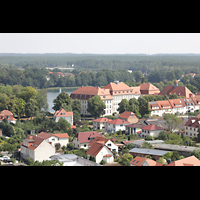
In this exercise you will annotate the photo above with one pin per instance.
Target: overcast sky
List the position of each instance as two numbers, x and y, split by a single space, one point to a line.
101 43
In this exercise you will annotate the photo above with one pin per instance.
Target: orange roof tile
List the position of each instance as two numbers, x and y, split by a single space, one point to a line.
152 127
61 135
62 113
189 161
118 121
148 88
127 114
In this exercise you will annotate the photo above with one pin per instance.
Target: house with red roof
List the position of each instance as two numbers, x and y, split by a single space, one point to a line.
178 90
100 123
36 148
140 161
68 116
129 117
100 152
6 114
189 161
62 138
105 141
152 130
116 125
82 139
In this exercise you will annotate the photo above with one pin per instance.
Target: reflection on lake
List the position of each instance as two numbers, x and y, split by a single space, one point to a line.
53 93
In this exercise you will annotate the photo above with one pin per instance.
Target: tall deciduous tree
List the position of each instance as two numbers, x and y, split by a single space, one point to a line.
172 121
19 107
96 106
123 106
63 99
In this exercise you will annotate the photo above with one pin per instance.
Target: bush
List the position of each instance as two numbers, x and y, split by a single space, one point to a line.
103 162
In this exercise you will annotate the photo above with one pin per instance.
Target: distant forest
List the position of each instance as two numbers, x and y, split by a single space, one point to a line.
98 70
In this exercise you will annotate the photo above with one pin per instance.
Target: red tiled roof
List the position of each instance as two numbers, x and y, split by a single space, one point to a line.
44 135
118 121
61 135
97 139
85 93
179 90
127 114
63 113
189 161
148 88
122 88
152 127
102 119
193 122
83 136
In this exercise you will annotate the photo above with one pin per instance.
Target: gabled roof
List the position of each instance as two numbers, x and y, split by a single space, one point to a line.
96 148
84 137
62 113
193 122
134 125
152 127
102 119
139 161
61 135
118 121
98 139
179 90
175 103
6 112
127 114
44 135
189 161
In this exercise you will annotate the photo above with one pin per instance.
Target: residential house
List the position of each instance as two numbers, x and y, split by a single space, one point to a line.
178 90
140 161
36 148
100 152
116 125
84 93
133 128
6 114
62 138
68 116
105 141
152 130
191 127
148 89
129 117
189 161
119 91
156 154
82 139
100 123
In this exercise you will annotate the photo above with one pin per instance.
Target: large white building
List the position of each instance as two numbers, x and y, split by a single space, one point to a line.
111 94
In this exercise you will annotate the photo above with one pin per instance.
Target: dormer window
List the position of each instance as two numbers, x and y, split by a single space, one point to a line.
62 113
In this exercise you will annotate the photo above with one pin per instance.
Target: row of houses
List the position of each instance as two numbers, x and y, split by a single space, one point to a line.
174 106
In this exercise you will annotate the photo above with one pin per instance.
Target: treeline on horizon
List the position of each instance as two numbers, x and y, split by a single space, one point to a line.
98 70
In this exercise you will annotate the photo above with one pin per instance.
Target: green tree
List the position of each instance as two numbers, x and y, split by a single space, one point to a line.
123 106
62 100
172 121
28 93
76 105
31 108
96 106
143 106
19 107
64 126
125 159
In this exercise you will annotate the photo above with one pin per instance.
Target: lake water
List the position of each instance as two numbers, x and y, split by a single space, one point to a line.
53 93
